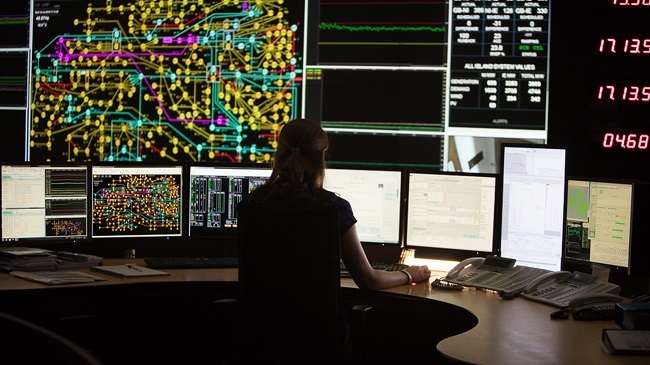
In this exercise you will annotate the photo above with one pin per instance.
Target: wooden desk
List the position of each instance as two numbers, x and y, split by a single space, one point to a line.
519 331
515 331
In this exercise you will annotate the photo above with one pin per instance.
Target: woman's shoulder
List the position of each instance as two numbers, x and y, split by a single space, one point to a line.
335 198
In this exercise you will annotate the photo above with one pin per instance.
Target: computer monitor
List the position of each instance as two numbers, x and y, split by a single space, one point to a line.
599 221
215 192
44 203
375 197
533 204
453 213
137 201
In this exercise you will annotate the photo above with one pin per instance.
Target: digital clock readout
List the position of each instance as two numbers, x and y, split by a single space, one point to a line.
629 141
633 46
629 93
631 2
629 45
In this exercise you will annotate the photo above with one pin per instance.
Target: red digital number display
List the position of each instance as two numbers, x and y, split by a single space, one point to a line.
631 93
633 46
631 2
629 141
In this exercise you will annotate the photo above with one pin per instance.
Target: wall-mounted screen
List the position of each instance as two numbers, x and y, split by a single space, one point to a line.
214 81
153 81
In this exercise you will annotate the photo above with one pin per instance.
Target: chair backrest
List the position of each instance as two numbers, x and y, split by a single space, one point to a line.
289 279
25 342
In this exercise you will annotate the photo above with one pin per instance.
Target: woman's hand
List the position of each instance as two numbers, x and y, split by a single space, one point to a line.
419 273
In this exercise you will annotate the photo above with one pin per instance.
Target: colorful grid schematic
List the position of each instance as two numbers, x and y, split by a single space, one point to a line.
137 201
167 80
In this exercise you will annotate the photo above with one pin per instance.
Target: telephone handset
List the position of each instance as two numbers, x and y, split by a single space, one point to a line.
464 266
594 306
579 293
549 277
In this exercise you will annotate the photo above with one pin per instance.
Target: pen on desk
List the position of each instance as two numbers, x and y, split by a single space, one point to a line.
134 268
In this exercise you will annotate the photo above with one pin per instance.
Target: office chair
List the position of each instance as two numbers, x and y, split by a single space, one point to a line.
289 284
24 342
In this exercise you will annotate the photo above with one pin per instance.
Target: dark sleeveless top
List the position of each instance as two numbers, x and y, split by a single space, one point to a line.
346 216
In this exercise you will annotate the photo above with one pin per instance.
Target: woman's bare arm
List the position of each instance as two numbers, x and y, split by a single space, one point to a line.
364 275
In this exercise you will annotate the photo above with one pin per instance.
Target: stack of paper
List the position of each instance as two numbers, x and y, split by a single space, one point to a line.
57 277
128 271
69 260
18 258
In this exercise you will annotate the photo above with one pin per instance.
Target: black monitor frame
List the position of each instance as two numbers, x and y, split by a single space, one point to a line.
450 253
639 260
52 241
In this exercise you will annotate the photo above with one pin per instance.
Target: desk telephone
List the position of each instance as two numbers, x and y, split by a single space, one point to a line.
588 297
464 267
577 289
493 273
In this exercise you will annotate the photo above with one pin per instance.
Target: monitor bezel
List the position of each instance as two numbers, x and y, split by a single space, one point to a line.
639 255
55 241
451 253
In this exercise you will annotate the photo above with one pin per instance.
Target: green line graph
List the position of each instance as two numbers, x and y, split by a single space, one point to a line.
380 28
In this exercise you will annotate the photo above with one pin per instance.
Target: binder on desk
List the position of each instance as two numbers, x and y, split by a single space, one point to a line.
128 271
626 342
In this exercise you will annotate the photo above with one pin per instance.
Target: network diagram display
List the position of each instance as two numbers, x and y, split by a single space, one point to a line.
375 197
214 195
212 80
177 80
44 202
451 211
599 222
137 201
533 205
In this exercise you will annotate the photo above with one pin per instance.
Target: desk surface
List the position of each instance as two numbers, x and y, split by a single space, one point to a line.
514 331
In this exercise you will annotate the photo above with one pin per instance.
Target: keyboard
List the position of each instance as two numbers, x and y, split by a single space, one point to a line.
375 265
191 262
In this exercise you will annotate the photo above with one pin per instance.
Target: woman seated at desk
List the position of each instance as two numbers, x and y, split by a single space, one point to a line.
297 178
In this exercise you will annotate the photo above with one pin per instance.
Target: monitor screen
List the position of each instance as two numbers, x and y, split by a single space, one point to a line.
136 201
215 192
44 202
375 197
451 211
157 80
533 205
598 221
